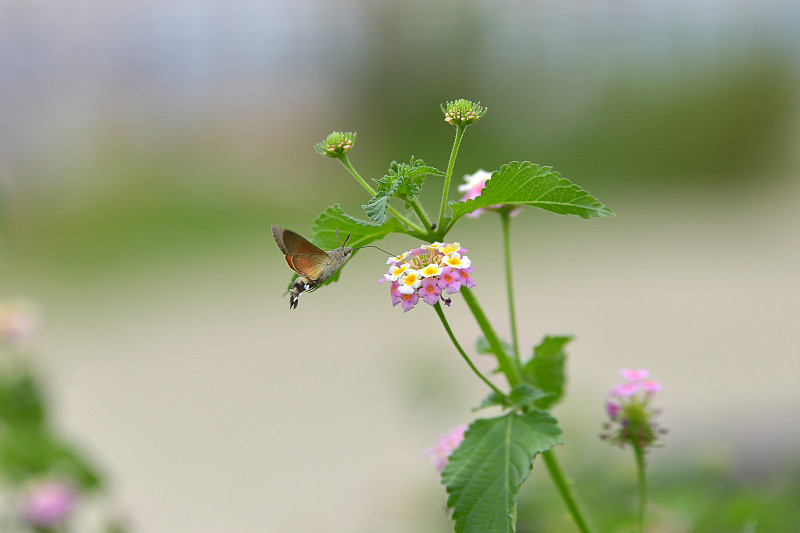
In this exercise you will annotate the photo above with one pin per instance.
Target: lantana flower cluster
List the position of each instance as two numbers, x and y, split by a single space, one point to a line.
439 453
632 420
428 273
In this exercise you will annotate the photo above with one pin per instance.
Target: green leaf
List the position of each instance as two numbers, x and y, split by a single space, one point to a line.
22 401
376 208
27 452
402 180
524 394
491 400
484 474
546 369
324 231
521 396
529 184
483 348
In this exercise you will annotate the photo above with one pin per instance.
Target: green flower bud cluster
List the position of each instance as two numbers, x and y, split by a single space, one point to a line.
336 144
462 112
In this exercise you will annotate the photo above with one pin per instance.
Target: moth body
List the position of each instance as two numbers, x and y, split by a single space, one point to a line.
313 265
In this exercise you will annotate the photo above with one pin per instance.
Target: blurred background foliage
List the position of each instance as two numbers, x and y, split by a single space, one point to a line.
146 147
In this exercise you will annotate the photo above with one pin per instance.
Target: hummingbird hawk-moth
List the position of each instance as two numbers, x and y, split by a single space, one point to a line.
313 265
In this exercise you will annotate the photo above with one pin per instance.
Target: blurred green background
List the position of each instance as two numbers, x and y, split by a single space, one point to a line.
146 147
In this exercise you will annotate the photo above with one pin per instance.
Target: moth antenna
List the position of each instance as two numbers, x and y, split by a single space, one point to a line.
373 246
346 239
337 238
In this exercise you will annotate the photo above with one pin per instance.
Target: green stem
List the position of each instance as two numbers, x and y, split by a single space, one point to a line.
459 134
505 363
505 216
640 467
421 214
405 220
346 162
565 490
466 358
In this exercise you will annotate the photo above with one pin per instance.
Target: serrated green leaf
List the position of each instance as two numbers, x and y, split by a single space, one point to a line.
529 184
522 395
546 369
362 232
525 394
323 232
404 180
376 208
484 474
492 399
426 169
378 204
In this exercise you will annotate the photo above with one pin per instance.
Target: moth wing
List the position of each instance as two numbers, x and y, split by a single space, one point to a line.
301 256
277 234
310 265
294 244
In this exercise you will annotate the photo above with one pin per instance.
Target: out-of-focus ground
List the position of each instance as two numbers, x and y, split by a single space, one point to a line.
147 149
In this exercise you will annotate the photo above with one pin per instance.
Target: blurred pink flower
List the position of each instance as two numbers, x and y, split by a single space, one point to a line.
18 320
631 418
47 504
625 390
634 375
648 385
612 410
440 452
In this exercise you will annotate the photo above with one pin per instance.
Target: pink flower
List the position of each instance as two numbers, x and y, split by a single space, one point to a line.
474 184
18 320
440 452
429 290
650 386
626 389
393 292
632 420
634 375
47 504
466 278
450 279
408 301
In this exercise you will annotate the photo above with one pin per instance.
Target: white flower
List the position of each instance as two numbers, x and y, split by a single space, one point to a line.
410 281
431 270
456 260
397 259
396 271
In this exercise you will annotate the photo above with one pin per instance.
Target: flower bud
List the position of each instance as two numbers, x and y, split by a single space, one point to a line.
336 144
462 112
